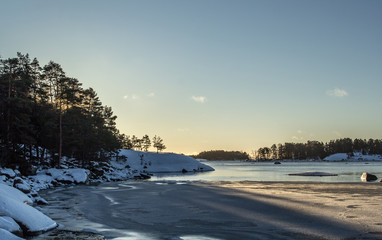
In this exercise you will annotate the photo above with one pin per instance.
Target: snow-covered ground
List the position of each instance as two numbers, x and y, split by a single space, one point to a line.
357 156
18 193
17 214
162 162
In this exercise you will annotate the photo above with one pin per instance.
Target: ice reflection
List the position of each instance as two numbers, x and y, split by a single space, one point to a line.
196 237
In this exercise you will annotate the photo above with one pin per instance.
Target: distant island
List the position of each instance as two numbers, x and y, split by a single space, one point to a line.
318 150
222 155
335 150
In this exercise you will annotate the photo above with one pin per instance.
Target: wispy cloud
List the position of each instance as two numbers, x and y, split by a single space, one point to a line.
199 99
136 97
337 92
131 96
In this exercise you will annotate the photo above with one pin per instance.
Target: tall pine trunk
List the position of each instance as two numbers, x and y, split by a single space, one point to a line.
60 140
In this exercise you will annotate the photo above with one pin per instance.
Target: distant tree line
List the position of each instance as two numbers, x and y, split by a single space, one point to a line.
222 155
42 111
319 150
142 144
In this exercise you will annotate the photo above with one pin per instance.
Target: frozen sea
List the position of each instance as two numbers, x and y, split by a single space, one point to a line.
268 171
195 206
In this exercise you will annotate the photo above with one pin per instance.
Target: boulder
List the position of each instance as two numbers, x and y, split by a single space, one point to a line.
30 220
96 173
3 178
142 176
366 177
21 185
4 234
80 176
8 172
16 194
7 223
25 188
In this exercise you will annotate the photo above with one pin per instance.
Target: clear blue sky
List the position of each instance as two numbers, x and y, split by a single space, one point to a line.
214 74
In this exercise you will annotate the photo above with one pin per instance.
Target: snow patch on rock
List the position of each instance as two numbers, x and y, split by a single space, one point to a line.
6 235
13 205
9 224
7 191
163 162
357 156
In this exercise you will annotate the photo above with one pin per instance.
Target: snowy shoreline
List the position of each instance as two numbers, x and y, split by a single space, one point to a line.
19 196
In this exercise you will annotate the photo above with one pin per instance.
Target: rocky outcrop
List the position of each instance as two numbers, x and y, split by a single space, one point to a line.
8 224
21 185
16 214
366 177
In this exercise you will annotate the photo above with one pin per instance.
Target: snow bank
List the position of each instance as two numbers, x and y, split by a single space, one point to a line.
49 178
357 156
8 172
4 234
79 175
162 162
13 193
337 157
73 175
12 205
7 223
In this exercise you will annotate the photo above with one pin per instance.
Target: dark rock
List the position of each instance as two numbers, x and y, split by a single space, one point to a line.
40 201
142 176
9 173
69 234
184 170
277 163
97 172
366 177
21 185
28 170
54 182
65 181
18 180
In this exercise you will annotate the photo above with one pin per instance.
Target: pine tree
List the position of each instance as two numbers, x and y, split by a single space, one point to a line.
158 143
146 143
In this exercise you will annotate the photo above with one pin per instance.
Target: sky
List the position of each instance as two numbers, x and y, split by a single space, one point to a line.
215 74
